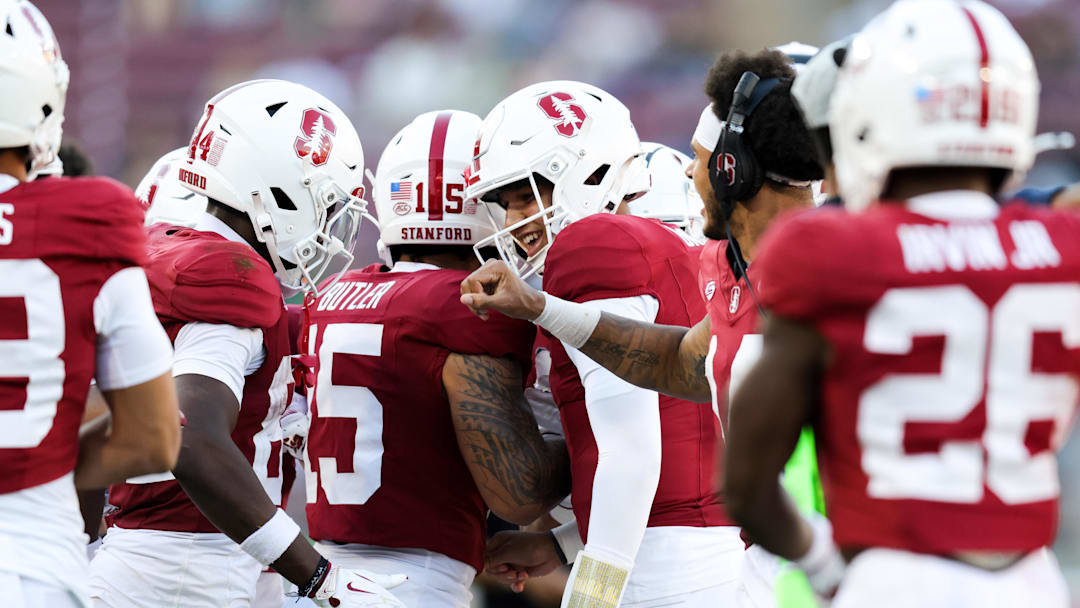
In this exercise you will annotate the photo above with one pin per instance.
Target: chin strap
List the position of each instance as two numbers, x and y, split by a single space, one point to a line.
265 227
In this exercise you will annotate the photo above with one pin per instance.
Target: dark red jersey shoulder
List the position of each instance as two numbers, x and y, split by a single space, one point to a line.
802 256
86 217
609 256
200 276
435 296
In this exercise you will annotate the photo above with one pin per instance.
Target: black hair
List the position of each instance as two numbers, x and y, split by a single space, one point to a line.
416 252
776 131
76 161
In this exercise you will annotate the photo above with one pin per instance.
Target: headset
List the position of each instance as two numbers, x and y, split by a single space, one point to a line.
734 172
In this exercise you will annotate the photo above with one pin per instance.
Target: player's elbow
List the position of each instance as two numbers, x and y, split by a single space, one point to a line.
165 452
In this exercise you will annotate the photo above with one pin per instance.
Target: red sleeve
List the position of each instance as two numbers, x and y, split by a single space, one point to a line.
212 280
460 331
603 256
799 262
98 218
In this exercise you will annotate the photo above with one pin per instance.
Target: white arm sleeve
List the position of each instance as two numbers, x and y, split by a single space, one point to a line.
625 423
223 352
132 348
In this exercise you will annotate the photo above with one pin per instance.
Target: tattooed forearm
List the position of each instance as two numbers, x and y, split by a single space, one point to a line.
518 474
664 358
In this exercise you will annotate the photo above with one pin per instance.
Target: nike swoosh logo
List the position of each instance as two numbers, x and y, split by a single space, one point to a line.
351 588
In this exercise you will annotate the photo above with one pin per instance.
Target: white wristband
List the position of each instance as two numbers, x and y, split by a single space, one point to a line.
570 322
569 539
272 539
823 565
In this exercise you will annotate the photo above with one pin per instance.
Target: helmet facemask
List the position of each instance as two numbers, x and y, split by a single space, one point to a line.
608 193
339 215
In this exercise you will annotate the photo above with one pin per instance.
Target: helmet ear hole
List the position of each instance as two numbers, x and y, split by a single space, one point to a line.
283 201
597 176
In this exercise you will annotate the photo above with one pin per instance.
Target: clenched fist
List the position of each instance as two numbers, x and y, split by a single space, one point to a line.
494 286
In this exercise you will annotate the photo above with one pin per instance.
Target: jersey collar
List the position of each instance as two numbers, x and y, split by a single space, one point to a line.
401 266
7 182
955 205
209 223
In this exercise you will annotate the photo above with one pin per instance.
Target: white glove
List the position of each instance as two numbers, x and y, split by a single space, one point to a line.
294 426
823 565
355 588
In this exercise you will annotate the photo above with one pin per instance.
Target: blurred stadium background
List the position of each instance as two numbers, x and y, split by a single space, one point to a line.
141 70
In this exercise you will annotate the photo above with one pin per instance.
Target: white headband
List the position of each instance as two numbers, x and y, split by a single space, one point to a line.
707 135
708 129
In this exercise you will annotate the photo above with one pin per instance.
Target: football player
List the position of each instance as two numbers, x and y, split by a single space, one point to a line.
562 158
673 359
418 420
74 306
933 335
281 169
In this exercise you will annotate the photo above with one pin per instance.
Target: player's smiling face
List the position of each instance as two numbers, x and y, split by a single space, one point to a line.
520 203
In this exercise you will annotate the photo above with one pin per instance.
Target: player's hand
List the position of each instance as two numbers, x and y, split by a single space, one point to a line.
494 286
294 426
823 565
344 588
512 557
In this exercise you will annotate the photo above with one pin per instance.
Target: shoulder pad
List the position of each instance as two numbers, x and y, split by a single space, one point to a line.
198 276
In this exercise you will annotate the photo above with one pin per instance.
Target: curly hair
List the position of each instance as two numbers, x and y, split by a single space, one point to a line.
776 131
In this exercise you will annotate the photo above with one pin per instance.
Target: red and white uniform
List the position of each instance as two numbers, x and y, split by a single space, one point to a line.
387 488
642 463
74 306
221 305
733 318
954 332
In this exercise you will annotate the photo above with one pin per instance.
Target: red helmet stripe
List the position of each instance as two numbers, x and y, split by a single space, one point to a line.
435 166
984 67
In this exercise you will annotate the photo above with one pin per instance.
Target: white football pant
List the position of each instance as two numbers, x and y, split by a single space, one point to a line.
21 592
686 567
155 569
887 578
435 580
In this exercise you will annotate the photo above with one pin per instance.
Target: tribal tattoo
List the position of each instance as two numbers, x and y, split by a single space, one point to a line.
514 468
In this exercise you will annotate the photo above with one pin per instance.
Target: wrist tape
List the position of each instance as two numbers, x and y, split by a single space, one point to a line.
570 322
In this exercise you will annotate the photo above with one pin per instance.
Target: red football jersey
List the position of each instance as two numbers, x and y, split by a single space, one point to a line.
732 315
202 277
60 240
954 349
620 256
733 318
383 463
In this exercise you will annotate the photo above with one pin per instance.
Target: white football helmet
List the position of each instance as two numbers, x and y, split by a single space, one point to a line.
166 200
672 197
566 132
292 161
419 190
34 80
931 83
